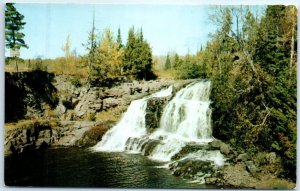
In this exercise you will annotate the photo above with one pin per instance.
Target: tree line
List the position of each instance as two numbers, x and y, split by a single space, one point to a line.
252 63
108 57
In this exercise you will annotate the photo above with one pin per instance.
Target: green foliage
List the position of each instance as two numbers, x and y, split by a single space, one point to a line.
108 59
76 82
14 38
92 117
253 72
168 63
138 56
13 25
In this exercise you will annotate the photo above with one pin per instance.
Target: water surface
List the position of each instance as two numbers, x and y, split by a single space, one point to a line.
78 167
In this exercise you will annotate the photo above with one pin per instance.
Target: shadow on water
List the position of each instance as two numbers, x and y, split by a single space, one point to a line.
78 167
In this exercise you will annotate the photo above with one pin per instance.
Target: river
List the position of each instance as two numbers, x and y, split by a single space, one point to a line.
80 167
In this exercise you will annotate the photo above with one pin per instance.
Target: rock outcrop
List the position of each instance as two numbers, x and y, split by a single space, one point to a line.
35 135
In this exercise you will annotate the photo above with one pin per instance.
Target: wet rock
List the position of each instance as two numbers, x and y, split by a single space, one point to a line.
189 168
154 111
149 147
216 144
243 157
93 134
224 149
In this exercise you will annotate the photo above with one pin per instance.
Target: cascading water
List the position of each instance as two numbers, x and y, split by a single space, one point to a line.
186 119
131 125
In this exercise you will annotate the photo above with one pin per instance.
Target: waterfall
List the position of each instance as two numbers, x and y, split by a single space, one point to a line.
132 125
186 119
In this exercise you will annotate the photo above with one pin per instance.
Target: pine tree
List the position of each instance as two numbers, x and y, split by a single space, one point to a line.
168 63
91 47
119 38
138 56
129 53
177 61
14 38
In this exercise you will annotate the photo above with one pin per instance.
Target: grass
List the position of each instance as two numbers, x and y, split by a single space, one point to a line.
69 66
276 183
167 74
31 123
113 114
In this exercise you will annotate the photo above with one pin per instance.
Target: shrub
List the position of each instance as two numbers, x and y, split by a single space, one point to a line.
76 82
92 117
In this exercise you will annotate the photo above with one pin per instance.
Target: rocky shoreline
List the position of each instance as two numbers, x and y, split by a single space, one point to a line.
240 170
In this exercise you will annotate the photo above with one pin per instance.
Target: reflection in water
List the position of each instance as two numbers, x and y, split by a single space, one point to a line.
78 167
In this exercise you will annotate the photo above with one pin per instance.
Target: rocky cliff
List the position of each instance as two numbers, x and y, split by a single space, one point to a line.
38 94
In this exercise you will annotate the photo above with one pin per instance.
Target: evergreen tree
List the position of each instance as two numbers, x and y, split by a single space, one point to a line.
168 63
91 47
119 38
138 56
177 61
14 38
129 53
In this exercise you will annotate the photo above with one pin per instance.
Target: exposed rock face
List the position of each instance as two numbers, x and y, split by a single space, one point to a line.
37 135
42 95
31 136
154 111
194 170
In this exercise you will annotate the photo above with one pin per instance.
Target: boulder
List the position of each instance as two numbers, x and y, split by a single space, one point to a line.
250 166
271 157
154 111
212 180
242 157
216 144
224 149
60 109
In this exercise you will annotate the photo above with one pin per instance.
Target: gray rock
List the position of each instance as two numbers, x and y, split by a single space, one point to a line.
242 157
60 109
216 144
271 157
224 149
212 180
154 110
250 166
109 103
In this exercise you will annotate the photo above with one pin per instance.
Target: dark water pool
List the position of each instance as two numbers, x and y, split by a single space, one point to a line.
78 167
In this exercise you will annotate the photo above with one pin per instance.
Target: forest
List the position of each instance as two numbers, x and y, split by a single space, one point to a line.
251 61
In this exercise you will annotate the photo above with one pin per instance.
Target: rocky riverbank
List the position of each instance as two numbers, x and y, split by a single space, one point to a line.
240 169
27 135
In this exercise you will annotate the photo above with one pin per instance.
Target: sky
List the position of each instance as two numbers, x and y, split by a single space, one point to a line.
168 28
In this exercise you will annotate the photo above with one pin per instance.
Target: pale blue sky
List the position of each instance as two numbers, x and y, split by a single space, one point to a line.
179 28
168 28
